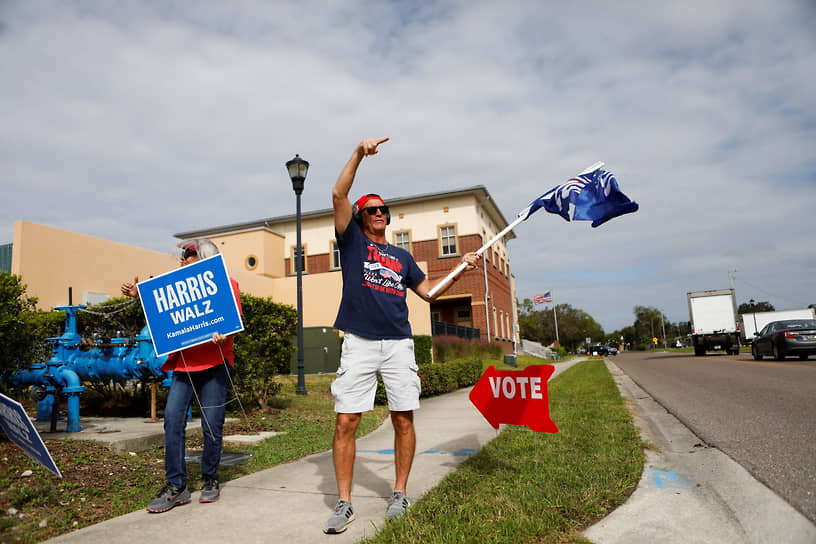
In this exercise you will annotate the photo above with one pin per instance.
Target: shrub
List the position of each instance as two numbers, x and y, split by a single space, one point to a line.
15 338
121 316
39 326
264 348
447 348
439 378
423 344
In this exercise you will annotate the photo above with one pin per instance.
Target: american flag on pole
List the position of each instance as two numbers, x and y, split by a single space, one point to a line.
541 299
593 195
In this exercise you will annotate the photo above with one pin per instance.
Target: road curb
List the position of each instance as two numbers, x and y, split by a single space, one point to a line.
690 492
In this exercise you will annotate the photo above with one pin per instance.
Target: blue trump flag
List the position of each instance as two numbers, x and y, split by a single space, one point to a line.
593 195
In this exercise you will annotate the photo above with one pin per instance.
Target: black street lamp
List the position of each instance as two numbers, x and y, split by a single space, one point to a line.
297 168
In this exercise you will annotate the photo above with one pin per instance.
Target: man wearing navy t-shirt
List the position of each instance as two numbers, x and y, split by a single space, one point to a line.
377 337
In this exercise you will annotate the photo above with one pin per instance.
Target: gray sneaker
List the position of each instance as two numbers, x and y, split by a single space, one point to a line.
343 515
168 497
398 504
209 491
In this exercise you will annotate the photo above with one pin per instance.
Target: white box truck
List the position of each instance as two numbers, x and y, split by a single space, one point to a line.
714 324
753 322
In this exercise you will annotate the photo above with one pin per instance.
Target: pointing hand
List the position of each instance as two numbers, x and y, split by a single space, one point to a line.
369 145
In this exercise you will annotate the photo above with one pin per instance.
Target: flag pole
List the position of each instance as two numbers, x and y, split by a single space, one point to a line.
522 215
556 326
456 271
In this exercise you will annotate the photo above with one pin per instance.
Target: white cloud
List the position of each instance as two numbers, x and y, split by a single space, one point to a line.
135 122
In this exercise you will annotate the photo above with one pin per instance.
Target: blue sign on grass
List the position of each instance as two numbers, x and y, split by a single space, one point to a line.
183 308
22 432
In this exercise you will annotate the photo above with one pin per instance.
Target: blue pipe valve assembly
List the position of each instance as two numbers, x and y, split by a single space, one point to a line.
119 359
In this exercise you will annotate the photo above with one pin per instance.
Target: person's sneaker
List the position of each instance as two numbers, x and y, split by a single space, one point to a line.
397 505
209 491
168 497
343 515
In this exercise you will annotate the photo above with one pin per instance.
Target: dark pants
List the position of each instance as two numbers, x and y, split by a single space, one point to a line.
211 386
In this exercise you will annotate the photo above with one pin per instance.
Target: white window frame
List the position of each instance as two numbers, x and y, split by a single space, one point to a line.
335 255
444 235
406 245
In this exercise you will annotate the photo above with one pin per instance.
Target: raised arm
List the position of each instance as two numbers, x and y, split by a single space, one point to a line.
340 192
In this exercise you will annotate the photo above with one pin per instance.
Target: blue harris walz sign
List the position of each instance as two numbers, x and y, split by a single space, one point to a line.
20 430
183 308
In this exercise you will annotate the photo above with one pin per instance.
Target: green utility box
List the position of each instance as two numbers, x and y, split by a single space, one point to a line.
510 360
321 351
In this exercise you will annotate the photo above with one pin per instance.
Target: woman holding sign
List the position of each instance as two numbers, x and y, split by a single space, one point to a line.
203 372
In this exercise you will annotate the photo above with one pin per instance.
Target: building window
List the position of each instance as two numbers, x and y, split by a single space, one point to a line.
402 239
436 316
251 262
447 239
293 260
495 324
335 255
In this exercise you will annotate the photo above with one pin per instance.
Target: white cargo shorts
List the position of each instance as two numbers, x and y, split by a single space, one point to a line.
361 359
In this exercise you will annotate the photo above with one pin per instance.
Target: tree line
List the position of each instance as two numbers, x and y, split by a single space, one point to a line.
575 326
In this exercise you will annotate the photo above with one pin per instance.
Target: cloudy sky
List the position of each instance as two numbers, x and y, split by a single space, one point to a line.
132 121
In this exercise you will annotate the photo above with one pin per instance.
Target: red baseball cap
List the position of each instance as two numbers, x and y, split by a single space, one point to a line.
361 202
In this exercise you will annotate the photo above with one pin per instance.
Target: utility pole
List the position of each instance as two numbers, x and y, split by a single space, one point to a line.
663 324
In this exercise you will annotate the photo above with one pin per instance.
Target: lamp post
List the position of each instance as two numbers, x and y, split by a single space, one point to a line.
297 168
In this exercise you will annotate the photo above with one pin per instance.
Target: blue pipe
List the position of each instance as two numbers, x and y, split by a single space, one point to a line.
119 359
72 388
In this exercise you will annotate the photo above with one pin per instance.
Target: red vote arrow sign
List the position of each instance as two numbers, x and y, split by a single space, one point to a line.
515 397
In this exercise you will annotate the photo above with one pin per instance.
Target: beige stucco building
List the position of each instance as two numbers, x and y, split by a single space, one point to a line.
436 228
50 260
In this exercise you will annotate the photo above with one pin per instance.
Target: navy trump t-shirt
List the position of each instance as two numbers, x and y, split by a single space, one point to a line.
376 279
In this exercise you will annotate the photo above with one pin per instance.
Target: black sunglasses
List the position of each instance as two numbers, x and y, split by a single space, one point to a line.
189 253
372 210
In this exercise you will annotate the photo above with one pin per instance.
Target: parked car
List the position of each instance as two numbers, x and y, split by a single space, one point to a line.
787 337
598 350
613 351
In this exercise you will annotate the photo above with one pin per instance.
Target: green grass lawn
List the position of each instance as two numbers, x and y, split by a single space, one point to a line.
534 487
522 487
99 483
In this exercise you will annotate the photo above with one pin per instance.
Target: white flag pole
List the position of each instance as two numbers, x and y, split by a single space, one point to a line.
521 217
456 271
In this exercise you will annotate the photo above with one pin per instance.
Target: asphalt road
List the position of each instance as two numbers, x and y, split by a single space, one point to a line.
762 414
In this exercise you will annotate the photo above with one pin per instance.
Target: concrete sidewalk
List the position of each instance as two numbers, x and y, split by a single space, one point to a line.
291 502
688 493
